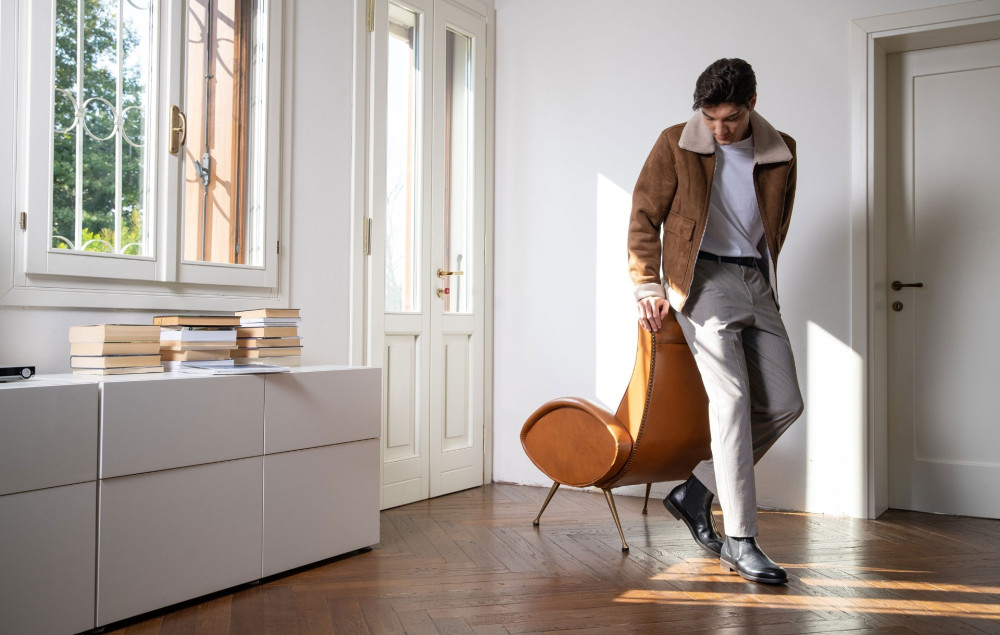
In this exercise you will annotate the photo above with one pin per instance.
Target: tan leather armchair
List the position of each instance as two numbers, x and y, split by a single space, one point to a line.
659 433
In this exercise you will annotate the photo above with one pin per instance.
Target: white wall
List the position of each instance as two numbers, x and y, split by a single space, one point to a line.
319 50
583 90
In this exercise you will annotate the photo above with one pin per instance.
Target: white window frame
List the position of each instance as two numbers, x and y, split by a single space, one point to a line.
35 274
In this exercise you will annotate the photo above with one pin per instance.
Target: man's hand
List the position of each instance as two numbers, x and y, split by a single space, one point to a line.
652 310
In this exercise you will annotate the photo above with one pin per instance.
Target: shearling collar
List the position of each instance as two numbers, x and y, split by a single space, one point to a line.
768 146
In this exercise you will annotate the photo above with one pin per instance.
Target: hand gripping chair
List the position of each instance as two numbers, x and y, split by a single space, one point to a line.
660 432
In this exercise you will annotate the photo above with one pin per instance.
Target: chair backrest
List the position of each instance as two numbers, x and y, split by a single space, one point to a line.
665 409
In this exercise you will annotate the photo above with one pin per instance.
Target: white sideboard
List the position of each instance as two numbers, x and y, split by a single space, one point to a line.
48 506
121 495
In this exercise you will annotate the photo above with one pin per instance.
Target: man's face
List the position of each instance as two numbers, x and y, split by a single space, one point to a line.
728 122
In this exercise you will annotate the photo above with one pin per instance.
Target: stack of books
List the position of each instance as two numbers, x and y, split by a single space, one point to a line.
270 336
201 339
114 349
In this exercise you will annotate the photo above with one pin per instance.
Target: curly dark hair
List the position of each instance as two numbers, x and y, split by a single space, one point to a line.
728 80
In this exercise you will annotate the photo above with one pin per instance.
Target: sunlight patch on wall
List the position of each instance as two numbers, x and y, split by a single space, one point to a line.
615 319
836 449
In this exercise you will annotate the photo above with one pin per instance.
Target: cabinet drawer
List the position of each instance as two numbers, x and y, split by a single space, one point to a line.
170 536
48 436
47 560
175 422
320 503
314 408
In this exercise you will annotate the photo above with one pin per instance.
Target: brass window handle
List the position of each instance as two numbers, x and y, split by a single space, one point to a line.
442 273
178 129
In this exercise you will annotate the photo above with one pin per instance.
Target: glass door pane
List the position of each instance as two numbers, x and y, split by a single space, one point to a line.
458 171
403 141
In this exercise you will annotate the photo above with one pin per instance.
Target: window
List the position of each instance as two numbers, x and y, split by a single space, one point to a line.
221 204
148 146
100 98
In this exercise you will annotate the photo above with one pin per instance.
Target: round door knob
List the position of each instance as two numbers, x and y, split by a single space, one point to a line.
897 306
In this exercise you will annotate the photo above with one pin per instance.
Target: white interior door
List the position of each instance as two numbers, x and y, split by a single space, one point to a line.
457 251
428 235
943 203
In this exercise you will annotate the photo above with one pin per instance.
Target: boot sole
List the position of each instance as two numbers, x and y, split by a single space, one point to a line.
677 514
729 567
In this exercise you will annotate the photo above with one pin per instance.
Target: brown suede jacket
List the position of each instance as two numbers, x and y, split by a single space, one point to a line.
673 192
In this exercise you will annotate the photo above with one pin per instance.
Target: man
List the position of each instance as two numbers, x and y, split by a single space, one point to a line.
721 186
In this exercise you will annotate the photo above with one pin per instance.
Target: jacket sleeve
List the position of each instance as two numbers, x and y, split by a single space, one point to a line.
651 199
786 218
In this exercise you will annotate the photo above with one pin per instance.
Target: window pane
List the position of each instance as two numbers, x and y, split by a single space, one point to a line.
402 227
101 96
459 184
222 174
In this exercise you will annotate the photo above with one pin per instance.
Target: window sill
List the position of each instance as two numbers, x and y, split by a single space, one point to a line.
113 294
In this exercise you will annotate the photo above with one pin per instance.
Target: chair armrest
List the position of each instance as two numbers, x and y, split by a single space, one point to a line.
576 442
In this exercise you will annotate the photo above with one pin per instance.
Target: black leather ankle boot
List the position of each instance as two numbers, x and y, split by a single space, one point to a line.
744 556
692 502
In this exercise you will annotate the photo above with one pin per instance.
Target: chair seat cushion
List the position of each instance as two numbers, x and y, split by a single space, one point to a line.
576 442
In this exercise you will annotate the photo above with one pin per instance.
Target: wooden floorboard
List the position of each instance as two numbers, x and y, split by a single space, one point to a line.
472 563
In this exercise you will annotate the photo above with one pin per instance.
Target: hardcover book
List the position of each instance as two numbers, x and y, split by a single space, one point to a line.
196 320
269 313
188 334
114 348
267 331
114 333
268 342
267 352
271 321
114 361
130 370
194 355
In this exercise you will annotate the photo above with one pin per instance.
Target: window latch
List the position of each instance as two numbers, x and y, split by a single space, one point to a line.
204 168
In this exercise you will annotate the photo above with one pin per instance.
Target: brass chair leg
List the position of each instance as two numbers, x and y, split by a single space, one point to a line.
552 491
645 503
614 514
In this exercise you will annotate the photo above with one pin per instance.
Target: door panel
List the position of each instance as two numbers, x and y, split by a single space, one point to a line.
401 407
457 321
456 394
944 140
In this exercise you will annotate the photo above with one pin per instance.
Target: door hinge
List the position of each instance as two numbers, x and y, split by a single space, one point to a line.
371 16
367 240
277 247
24 221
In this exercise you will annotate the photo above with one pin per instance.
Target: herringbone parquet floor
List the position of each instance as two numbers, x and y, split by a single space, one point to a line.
471 562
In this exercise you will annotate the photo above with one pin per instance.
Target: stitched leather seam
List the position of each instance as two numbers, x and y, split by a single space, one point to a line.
645 408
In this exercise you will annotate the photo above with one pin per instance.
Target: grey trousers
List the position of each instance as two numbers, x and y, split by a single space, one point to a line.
734 329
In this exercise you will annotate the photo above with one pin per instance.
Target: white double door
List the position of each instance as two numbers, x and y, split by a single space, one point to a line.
427 271
943 222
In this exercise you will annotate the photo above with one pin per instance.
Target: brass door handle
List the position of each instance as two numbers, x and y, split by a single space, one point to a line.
442 273
178 129
897 285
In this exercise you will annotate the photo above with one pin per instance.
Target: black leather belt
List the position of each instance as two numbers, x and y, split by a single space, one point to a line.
743 261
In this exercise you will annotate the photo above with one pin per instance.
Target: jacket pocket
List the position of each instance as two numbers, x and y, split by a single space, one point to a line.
680 226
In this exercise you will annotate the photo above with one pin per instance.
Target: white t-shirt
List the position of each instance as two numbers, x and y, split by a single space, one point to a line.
734 225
